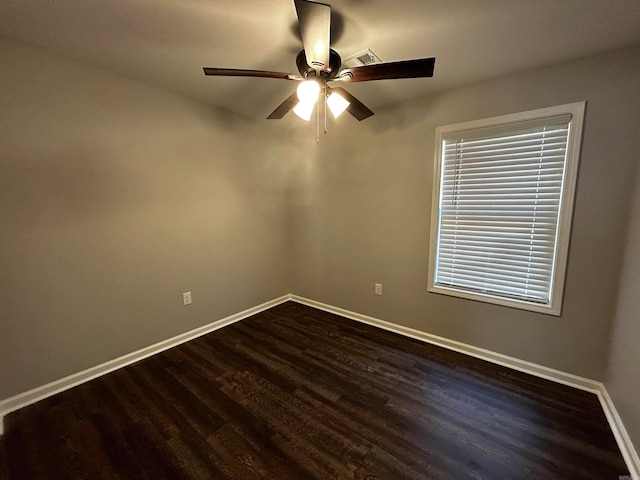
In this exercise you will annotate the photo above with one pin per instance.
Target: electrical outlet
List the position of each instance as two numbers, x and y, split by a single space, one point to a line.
186 298
377 288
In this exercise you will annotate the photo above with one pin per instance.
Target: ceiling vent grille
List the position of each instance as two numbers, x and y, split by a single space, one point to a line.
359 59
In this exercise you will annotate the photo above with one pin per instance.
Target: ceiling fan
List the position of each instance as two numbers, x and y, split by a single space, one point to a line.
319 65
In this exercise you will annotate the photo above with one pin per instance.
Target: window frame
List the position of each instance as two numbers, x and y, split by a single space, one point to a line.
565 213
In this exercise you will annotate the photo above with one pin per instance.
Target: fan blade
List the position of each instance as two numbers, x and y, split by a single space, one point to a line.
314 20
356 107
422 67
237 72
284 107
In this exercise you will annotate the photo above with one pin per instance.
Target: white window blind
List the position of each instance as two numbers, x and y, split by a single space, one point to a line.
500 200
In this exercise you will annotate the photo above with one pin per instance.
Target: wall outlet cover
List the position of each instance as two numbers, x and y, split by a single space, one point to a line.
186 298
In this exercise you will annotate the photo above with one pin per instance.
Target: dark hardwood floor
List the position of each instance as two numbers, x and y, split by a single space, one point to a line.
296 393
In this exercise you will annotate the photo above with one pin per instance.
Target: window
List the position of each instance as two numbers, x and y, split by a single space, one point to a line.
502 204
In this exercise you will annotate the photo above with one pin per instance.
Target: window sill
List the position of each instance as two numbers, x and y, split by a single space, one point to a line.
547 309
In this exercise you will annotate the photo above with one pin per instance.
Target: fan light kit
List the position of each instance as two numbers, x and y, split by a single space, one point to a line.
308 92
337 104
318 65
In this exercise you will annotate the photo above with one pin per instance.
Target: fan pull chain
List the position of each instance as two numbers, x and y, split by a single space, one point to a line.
324 94
318 123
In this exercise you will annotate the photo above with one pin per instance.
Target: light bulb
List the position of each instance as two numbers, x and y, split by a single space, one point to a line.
304 110
337 104
308 91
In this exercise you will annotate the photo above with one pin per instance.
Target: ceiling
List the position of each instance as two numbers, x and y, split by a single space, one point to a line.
167 42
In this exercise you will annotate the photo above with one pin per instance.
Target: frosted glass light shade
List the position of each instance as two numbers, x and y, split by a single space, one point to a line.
337 104
304 110
308 92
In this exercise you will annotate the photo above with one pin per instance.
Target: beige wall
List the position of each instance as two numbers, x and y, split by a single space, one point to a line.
623 373
365 215
116 197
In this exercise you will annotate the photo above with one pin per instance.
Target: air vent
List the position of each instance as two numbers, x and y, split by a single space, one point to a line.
359 59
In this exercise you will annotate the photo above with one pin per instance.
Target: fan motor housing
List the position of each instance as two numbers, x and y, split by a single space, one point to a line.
307 71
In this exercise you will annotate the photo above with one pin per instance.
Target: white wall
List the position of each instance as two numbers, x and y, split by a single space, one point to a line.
116 197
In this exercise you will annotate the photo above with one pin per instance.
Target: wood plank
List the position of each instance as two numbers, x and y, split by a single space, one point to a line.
296 393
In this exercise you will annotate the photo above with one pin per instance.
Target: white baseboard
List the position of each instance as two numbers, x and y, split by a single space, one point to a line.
493 357
39 393
622 436
624 441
